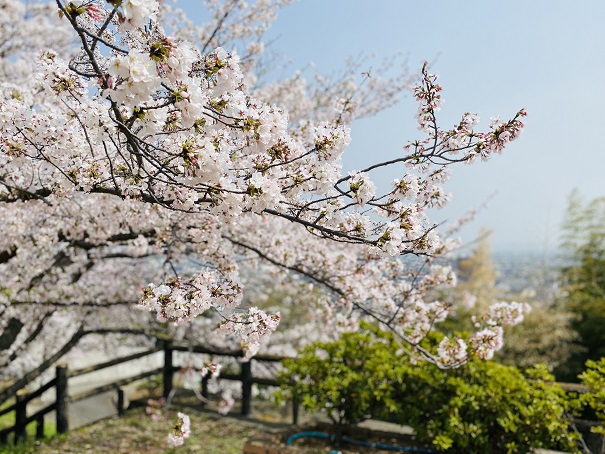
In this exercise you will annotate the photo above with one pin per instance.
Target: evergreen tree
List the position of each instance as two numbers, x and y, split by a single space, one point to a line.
583 243
477 275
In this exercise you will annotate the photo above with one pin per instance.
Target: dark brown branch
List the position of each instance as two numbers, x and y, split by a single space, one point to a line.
33 335
8 254
10 333
10 391
326 231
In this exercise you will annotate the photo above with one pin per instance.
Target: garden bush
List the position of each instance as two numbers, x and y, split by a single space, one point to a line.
594 378
350 379
485 407
481 407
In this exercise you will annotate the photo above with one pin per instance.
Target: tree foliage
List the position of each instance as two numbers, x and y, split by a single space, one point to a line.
594 378
349 379
477 275
583 243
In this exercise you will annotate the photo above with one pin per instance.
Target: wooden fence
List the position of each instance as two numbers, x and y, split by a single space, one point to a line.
20 409
62 375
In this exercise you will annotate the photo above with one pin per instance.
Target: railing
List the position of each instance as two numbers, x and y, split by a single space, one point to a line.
60 383
20 409
60 406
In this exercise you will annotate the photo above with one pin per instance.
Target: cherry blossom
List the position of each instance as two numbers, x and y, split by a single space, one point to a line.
181 430
152 167
452 351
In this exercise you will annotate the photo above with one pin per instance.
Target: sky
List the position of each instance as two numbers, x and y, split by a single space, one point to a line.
493 58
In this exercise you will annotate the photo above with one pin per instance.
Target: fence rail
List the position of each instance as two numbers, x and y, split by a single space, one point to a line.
114 385
113 362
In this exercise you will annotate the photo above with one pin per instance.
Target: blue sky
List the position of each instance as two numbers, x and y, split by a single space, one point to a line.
493 58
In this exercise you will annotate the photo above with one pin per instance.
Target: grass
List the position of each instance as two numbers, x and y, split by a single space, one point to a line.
138 433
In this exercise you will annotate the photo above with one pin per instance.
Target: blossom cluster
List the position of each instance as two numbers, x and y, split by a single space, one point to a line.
452 351
507 313
489 339
226 403
252 327
178 300
181 430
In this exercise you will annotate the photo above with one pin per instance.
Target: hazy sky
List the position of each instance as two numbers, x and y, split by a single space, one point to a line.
493 58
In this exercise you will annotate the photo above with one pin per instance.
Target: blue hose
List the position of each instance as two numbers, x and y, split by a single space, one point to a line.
356 442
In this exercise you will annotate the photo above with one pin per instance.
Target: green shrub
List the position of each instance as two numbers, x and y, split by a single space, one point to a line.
486 407
482 407
346 379
594 378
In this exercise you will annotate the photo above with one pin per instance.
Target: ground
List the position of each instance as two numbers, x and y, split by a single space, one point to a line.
136 432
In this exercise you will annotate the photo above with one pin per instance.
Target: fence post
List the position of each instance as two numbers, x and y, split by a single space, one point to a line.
205 380
246 387
120 401
168 369
295 409
61 409
20 415
40 427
